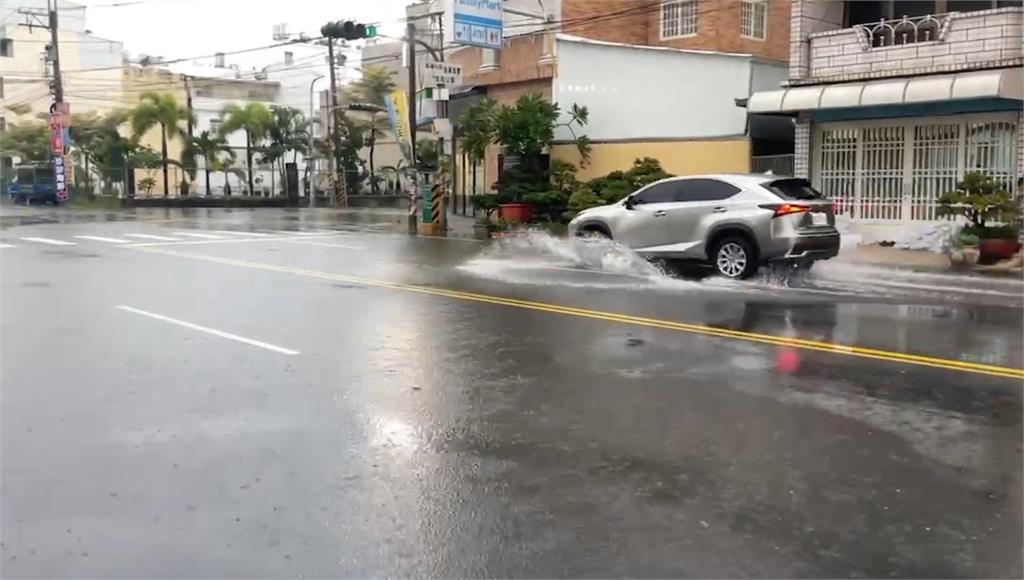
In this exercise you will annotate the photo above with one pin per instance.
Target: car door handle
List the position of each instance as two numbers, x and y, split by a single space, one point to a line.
719 210
660 213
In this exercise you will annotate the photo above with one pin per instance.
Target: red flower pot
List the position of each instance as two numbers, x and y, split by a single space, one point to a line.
515 212
998 249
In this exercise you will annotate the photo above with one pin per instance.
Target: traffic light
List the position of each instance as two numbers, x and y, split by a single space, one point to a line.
348 30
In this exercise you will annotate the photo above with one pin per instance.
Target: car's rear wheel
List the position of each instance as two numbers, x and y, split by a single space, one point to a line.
734 258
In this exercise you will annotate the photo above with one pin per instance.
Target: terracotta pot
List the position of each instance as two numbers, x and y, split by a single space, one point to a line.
515 212
998 249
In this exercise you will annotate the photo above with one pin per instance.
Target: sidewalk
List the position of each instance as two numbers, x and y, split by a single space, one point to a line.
919 260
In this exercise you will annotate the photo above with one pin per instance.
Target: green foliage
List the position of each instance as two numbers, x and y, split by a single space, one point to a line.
616 185
147 184
158 109
288 131
979 199
486 203
30 141
373 87
990 232
476 128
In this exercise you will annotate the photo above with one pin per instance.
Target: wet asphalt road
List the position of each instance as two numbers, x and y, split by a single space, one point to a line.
404 427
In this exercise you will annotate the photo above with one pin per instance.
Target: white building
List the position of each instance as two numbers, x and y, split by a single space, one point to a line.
894 101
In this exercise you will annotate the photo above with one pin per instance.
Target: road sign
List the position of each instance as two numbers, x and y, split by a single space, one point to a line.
475 22
442 74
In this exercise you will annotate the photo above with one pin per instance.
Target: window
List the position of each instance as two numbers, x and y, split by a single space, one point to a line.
753 19
678 18
2 87
703 190
6 47
793 189
658 193
215 125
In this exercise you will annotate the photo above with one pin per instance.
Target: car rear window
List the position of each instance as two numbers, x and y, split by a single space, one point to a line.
793 189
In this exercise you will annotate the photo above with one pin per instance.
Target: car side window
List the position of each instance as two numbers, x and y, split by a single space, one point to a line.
704 190
657 193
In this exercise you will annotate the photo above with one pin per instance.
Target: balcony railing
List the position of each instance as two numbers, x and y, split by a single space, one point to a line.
905 30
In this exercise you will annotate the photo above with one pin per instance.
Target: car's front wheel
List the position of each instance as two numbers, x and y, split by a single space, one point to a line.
734 257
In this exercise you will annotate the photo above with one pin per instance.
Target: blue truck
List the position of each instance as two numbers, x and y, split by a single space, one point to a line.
34 183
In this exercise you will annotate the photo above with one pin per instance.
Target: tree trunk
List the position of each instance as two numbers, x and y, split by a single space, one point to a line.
373 174
227 184
163 153
206 166
248 160
88 191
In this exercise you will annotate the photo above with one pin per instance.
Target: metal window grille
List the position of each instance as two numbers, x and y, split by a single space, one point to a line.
882 172
936 167
838 165
752 19
678 18
992 149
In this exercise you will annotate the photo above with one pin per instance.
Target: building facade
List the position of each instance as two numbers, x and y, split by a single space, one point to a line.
592 52
894 101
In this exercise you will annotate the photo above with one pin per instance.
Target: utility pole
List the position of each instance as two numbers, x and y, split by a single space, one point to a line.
410 38
191 128
58 83
310 163
339 173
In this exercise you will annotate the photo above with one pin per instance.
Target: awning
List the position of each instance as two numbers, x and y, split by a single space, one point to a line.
1002 83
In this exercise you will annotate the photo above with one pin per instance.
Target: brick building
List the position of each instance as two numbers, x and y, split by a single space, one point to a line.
895 101
751 35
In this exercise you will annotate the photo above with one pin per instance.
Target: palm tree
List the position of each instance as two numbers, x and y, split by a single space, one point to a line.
255 119
288 132
372 89
159 109
209 147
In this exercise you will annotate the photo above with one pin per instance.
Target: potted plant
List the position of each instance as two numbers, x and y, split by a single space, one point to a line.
982 200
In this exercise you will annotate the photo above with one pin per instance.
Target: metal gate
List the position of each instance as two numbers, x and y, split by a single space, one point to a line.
894 171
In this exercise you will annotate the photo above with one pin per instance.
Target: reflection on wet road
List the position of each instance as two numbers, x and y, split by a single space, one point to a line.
421 429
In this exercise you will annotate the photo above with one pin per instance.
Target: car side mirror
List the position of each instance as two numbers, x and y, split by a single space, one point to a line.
629 202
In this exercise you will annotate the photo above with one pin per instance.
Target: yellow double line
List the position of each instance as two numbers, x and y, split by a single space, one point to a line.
898 357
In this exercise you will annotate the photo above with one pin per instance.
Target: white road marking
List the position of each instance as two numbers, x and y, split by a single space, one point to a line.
152 237
325 244
104 239
212 331
192 235
217 241
253 234
50 241
7 246
297 233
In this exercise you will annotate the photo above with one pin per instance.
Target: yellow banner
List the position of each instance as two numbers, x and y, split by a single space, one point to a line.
398 111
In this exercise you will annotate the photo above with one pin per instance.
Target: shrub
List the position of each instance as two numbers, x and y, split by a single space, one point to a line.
979 199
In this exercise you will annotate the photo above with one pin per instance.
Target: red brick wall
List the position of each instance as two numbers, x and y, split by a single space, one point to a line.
639 22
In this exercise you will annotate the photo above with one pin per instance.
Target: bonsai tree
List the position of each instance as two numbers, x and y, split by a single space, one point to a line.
981 200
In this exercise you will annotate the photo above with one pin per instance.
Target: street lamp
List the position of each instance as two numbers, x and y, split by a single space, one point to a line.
309 158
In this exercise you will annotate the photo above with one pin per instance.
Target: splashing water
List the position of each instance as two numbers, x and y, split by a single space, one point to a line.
533 257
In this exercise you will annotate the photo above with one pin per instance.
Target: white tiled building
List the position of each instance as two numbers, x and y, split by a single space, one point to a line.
894 101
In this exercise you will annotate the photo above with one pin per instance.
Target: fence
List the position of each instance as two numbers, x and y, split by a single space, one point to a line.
777 164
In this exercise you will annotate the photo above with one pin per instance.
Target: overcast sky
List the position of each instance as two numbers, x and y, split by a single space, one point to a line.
186 28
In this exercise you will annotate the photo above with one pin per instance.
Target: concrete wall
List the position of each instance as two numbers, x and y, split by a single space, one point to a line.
967 40
676 157
639 93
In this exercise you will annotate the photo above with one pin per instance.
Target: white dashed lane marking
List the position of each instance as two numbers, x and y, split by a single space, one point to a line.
50 241
252 234
104 239
204 236
151 237
7 246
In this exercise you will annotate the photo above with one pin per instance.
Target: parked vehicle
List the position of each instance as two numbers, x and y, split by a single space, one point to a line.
734 222
34 183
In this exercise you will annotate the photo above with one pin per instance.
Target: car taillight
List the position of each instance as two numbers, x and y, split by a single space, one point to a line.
782 209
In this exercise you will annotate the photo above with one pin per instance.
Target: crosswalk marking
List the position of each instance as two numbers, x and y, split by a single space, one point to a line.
151 237
192 235
297 233
103 239
50 241
7 246
253 234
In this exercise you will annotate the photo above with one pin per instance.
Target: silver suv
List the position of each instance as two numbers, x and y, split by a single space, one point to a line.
735 222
